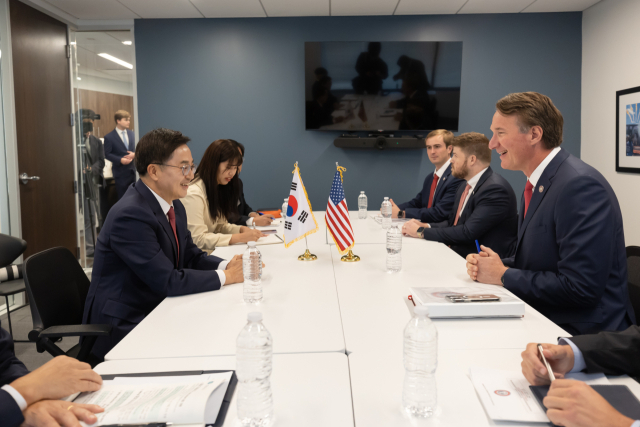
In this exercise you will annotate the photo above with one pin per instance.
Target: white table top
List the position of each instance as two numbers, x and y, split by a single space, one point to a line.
368 231
373 308
308 389
377 399
300 309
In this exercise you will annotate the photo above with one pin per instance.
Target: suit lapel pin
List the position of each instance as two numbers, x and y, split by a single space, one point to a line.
541 188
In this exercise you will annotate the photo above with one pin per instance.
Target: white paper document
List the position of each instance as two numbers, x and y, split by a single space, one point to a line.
440 307
270 239
193 399
378 219
506 395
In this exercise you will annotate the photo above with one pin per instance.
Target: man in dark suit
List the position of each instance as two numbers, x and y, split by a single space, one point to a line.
93 157
573 403
485 207
435 201
34 398
119 148
144 251
570 261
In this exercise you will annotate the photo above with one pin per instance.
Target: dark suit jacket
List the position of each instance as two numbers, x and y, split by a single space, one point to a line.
243 208
443 199
10 369
613 353
134 268
570 261
114 150
490 216
95 158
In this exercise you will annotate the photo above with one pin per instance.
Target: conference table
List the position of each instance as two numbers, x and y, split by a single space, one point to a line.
326 308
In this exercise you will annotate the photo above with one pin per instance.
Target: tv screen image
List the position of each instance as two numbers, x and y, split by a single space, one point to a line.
382 86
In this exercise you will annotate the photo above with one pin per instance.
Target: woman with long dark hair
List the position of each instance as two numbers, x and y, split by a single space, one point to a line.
212 199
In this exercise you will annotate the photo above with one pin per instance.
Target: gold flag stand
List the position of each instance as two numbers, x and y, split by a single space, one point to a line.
307 256
350 257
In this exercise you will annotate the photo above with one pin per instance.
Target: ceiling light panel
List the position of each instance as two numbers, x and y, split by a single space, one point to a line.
158 9
362 7
560 6
296 7
429 7
116 60
495 6
94 9
230 8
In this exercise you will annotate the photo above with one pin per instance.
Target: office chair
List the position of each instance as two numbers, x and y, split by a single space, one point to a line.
57 288
633 282
10 249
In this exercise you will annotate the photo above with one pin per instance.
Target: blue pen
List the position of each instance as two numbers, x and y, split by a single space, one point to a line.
478 246
260 213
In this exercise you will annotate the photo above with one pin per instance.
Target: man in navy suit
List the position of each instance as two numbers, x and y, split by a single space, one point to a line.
570 261
435 201
145 252
485 208
34 398
119 149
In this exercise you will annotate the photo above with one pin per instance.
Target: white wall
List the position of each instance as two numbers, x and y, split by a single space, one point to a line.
610 62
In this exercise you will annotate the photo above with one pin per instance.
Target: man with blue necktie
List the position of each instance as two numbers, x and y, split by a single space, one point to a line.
119 149
570 259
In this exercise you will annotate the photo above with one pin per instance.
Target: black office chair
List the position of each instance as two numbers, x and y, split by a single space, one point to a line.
57 288
633 271
10 249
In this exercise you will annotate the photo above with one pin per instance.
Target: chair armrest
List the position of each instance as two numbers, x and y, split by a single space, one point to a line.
76 331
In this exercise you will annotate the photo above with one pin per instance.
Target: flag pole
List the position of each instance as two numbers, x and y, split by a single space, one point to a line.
350 256
307 256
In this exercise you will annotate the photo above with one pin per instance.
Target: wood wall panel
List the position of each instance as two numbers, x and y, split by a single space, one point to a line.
105 104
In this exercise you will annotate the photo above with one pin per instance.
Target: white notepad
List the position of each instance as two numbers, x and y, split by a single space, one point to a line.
439 307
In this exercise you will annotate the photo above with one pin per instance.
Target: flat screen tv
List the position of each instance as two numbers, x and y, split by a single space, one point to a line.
382 86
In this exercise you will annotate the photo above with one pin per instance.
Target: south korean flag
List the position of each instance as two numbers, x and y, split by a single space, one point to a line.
300 221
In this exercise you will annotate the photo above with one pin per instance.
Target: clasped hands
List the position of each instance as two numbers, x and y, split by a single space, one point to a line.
43 388
125 160
569 403
486 267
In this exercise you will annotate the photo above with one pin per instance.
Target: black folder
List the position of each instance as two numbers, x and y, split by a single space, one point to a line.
618 396
226 401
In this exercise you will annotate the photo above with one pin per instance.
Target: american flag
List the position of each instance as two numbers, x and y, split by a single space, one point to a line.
337 216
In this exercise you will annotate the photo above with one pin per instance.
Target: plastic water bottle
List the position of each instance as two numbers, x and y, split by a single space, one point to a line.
362 206
252 272
386 213
285 206
419 397
254 348
394 249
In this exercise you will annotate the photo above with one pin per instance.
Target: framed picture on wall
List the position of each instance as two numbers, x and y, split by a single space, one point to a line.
627 130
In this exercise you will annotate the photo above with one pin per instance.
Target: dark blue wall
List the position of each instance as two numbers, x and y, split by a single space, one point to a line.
244 79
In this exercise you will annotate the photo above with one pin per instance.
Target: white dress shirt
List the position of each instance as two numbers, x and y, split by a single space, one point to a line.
165 208
16 396
472 183
441 171
124 137
537 173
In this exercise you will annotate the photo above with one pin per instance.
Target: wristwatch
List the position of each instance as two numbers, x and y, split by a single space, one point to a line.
420 232
400 214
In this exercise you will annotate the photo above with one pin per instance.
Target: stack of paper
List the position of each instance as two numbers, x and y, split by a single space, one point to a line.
193 399
506 395
435 298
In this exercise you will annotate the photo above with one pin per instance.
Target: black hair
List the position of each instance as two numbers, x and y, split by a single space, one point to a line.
321 71
156 147
374 48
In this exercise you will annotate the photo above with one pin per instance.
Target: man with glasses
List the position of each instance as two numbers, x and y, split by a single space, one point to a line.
119 149
144 252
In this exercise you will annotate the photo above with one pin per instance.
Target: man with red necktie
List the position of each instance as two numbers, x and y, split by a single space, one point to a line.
570 258
435 202
145 252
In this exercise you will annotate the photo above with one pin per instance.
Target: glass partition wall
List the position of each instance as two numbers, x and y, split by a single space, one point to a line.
102 80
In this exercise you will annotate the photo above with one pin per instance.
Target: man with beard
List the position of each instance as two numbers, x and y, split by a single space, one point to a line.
485 206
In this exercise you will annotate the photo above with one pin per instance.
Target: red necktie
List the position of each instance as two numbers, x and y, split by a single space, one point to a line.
528 192
434 184
172 220
461 202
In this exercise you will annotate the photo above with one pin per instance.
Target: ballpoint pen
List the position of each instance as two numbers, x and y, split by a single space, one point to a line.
478 246
544 360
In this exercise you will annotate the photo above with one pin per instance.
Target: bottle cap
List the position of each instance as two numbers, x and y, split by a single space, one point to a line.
254 316
362 192
286 199
251 244
421 310
386 198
